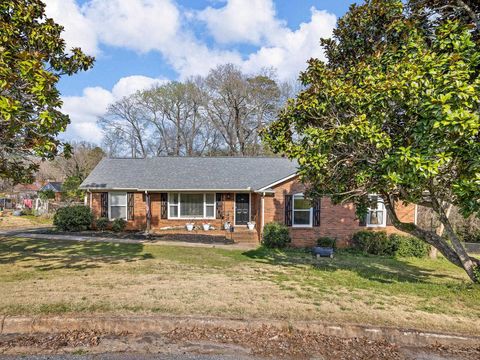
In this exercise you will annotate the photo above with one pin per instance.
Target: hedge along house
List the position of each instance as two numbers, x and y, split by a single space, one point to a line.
162 193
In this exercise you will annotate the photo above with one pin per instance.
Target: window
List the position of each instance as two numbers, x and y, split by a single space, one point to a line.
173 205
209 205
376 215
118 205
302 211
191 206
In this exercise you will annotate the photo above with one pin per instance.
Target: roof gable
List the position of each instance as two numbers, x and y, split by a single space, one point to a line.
52 185
189 173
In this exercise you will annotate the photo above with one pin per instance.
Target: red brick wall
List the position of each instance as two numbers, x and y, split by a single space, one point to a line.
139 221
338 221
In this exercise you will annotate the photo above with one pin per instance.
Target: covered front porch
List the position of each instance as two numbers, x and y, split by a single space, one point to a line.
193 215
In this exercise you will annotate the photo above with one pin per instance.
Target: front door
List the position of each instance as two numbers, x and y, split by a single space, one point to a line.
242 209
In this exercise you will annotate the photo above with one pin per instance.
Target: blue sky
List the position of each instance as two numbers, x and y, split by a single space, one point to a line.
140 43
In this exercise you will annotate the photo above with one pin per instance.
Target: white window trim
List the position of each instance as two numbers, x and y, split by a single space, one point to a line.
179 217
110 205
293 213
384 217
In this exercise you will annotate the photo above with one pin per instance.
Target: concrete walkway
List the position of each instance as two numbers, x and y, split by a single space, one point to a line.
33 233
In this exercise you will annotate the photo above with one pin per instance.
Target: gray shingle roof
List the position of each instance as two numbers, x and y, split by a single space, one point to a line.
52 185
189 173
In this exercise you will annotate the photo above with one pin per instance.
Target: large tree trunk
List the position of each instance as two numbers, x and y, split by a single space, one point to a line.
454 253
440 230
467 262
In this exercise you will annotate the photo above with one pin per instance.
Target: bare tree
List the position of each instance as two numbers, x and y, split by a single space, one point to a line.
228 106
220 114
125 127
85 156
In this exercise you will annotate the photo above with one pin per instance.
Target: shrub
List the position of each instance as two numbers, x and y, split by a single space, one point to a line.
326 241
378 243
102 223
373 242
73 218
27 211
471 236
409 246
46 194
118 225
275 235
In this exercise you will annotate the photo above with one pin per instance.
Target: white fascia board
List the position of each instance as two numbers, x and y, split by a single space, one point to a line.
169 190
277 182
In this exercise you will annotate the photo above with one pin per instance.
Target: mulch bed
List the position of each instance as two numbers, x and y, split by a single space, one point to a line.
194 237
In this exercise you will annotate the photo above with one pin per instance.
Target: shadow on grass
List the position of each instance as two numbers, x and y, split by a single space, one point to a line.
53 255
373 268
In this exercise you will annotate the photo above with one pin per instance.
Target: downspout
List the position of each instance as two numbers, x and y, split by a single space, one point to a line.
147 206
263 212
90 201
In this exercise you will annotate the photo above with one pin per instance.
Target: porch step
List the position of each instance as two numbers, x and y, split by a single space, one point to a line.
243 236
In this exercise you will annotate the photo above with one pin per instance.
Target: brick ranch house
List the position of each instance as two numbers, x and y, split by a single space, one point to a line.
165 193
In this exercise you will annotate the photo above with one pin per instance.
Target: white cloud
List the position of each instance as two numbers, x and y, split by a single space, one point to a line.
290 53
79 31
161 26
131 84
256 22
239 21
141 25
84 110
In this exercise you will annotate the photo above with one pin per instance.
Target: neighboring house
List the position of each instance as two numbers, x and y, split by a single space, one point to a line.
223 189
25 194
54 186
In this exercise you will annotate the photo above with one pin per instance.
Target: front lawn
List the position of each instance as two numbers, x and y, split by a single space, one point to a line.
52 277
10 222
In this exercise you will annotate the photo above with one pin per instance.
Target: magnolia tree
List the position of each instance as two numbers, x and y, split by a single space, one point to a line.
394 113
33 57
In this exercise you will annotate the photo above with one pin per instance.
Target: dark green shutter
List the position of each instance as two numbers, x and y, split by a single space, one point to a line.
219 202
316 212
163 205
130 206
363 221
288 210
104 204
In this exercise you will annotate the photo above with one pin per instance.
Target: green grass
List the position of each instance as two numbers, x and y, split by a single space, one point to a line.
58 277
39 220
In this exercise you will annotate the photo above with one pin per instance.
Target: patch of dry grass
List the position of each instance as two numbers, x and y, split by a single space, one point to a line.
8 221
52 277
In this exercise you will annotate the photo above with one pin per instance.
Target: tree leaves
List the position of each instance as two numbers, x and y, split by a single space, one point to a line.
32 59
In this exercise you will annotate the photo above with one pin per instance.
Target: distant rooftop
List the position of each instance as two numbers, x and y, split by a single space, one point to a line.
189 173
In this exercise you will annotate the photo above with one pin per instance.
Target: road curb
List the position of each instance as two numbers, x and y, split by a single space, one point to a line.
163 324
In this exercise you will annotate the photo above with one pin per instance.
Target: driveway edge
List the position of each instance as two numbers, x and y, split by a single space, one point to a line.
165 324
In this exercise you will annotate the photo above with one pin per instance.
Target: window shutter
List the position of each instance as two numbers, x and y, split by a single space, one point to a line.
130 206
219 200
288 210
104 204
316 212
163 205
